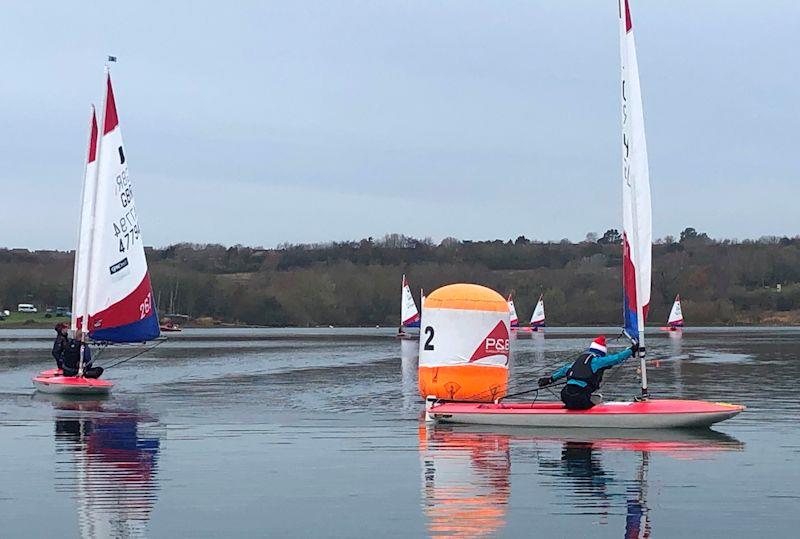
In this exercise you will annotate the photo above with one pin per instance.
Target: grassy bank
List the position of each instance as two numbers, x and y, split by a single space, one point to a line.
31 320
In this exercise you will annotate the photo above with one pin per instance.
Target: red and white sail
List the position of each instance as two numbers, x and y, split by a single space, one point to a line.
120 303
636 222
676 314
512 311
80 274
537 319
409 315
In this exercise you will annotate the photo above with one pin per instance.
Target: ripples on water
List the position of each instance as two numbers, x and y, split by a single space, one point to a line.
245 433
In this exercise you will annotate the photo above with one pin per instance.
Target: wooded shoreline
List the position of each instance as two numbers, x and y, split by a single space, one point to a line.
357 283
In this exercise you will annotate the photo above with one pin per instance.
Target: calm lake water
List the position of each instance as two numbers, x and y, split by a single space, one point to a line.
243 433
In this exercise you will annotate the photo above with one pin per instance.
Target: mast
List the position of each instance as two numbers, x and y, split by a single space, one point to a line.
637 224
93 226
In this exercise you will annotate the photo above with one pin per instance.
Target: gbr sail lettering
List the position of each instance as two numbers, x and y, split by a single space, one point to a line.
126 229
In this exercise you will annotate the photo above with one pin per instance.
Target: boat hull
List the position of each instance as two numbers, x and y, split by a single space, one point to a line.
653 414
71 385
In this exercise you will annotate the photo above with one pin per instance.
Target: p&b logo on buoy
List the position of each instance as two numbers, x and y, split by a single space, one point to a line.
496 343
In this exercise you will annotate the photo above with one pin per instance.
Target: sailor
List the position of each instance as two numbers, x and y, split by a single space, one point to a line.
585 374
60 344
72 359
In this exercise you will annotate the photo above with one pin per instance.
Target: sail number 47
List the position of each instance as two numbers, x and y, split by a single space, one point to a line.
126 230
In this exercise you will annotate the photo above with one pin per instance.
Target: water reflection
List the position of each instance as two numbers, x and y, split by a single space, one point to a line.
409 359
465 482
538 348
106 458
466 472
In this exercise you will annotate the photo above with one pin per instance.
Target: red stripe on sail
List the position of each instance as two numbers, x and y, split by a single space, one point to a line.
111 121
93 139
628 23
132 308
628 273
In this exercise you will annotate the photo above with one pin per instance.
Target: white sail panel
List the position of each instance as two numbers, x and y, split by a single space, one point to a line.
637 223
512 311
676 314
409 315
80 272
537 319
120 306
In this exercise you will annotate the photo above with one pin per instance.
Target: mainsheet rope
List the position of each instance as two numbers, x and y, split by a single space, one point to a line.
105 345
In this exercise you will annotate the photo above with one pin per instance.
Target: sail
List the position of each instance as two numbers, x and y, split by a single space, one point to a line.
636 222
120 305
80 272
512 311
537 319
676 314
409 315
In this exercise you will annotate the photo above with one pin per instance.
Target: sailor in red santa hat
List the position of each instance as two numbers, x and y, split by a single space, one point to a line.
585 374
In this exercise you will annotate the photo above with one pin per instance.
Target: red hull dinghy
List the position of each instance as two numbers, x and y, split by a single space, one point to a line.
72 385
650 414
642 413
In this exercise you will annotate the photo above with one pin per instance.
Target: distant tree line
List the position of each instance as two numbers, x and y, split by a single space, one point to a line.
357 282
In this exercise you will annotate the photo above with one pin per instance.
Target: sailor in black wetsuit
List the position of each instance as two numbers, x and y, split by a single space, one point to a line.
585 375
60 344
72 359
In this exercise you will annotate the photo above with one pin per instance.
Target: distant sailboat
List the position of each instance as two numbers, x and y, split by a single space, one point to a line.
537 319
111 284
512 311
675 320
409 315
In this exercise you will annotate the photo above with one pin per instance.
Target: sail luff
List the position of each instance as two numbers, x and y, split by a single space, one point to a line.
93 228
637 221
80 267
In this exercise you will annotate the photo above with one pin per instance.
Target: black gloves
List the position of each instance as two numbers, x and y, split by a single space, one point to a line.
634 347
546 381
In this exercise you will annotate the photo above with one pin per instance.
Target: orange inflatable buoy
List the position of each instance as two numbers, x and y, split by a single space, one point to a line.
464 344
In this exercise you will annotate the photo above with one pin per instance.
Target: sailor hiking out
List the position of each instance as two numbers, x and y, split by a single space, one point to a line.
585 375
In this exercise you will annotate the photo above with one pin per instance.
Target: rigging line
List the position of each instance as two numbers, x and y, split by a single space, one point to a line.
158 343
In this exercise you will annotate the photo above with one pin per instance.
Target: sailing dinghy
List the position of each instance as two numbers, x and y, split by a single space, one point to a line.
409 315
537 318
637 245
675 320
512 313
111 284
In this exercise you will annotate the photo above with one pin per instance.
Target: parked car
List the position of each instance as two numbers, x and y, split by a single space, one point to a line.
27 308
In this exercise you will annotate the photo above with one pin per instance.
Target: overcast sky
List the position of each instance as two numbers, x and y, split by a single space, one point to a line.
266 122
